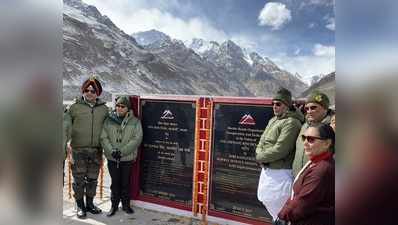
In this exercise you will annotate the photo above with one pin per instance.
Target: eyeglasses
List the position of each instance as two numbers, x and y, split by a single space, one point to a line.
313 107
121 106
277 103
92 91
310 139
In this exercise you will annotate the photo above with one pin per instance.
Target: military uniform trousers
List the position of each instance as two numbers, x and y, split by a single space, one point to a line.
85 169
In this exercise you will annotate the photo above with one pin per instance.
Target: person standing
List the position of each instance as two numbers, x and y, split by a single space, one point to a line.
275 152
312 197
317 111
87 116
120 137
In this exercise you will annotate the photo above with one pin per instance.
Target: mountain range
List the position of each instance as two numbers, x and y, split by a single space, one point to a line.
326 84
151 62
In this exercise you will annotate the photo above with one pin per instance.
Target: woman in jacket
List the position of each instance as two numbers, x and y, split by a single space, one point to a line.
312 198
121 135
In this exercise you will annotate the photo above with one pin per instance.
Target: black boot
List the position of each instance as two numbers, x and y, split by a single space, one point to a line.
115 207
126 207
81 210
90 207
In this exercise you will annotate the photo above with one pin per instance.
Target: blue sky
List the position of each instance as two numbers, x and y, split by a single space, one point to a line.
297 35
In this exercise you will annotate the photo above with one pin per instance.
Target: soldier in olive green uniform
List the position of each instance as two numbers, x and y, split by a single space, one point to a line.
317 111
87 116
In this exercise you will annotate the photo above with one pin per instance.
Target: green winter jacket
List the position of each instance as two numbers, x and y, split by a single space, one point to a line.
275 149
300 159
86 123
125 135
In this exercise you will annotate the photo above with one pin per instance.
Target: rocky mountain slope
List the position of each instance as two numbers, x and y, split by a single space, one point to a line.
326 84
258 74
92 44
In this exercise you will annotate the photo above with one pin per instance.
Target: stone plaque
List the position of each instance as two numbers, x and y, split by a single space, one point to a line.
168 150
235 173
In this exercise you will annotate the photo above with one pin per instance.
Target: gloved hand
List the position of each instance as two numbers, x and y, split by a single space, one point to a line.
280 222
116 154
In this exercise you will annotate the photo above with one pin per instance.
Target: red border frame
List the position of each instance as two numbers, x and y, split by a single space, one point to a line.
187 98
243 100
135 181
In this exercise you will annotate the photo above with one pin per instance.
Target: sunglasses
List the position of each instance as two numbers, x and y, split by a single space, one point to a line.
91 91
121 106
313 107
310 139
277 104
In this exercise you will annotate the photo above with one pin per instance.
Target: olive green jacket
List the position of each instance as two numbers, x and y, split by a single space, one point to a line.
300 159
86 123
275 149
125 135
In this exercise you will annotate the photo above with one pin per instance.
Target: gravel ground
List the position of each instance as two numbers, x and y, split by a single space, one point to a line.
140 217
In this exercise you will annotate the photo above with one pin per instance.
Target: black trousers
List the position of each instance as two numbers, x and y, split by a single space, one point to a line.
120 186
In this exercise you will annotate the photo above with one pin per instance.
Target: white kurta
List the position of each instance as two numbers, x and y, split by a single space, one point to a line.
274 189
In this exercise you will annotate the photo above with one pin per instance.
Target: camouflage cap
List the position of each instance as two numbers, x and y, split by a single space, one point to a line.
319 98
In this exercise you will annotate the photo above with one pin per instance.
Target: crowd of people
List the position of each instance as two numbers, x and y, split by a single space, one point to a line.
296 183
295 151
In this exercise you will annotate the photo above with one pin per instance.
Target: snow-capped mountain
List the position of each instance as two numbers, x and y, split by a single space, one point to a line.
232 57
93 45
153 63
259 74
150 37
326 84
317 78
298 76
200 46
175 51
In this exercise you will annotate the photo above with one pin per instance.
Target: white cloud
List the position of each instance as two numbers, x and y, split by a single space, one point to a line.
274 14
324 51
134 16
331 24
311 25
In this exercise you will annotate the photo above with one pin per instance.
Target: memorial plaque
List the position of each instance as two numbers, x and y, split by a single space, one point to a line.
235 173
168 150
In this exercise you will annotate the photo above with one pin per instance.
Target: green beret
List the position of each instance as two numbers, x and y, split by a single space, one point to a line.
319 98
